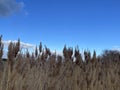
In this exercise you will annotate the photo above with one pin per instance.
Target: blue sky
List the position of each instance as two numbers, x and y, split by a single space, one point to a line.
91 24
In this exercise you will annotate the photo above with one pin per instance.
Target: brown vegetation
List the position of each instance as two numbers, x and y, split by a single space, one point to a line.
44 70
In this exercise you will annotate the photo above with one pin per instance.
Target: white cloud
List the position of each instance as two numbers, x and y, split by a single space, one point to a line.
22 44
116 48
8 7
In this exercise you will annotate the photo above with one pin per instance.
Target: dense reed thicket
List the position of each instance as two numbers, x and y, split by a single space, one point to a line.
43 70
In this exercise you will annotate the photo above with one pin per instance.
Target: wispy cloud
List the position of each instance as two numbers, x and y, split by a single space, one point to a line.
8 7
22 44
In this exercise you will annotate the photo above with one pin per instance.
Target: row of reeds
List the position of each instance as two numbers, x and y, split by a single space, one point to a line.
43 70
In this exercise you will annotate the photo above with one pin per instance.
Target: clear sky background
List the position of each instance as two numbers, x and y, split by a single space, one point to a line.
91 24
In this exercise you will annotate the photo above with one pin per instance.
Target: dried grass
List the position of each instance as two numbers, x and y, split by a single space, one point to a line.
56 73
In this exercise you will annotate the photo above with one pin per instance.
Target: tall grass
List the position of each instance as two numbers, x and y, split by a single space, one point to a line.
44 70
